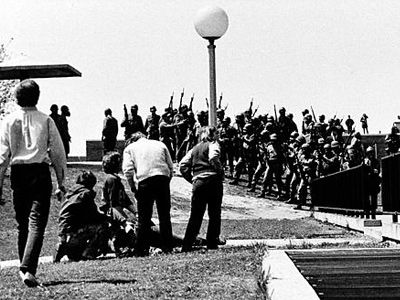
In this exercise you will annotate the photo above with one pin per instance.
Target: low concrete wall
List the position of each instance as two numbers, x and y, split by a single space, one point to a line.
94 149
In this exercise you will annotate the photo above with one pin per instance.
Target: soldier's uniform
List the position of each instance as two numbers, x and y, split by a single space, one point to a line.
308 172
152 125
227 136
248 155
275 161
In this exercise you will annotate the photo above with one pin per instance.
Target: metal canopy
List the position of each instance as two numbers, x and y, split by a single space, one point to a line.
24 69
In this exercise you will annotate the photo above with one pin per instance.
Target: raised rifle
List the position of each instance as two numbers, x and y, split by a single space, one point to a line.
208 106
255 111
191 102
276 116
226 107
220 101
171 101
251 105
180 101
313 114
125 112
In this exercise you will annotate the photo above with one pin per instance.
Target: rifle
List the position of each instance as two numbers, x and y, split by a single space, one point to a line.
125 112
312 110
255 111
191 102
276 116
226 107
220 101
171 101
207 104
251 105
180 101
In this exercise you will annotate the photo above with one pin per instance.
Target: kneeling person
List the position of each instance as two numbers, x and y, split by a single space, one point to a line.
83 230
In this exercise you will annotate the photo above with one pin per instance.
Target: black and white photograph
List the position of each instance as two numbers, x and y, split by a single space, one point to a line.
224 149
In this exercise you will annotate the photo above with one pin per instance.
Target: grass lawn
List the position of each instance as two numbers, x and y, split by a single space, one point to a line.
222 274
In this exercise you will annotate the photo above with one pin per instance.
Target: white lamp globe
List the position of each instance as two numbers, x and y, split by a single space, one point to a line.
211 22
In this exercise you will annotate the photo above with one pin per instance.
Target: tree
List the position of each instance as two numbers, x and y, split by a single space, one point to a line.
7 101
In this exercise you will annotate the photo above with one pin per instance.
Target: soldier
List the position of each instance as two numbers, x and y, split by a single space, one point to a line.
283 123
275 159
227 136
349 124
248 155
132 123
321 127
261 158
392 141
374 180
220 117
167 133
292 125
337 131
329 162
64 130
109 132
308 168
364 123
181 129
151 125
294 152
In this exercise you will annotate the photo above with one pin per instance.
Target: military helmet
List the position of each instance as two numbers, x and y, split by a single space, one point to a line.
335 144
305 146
273 137
247 127
294 134
327 146
321 141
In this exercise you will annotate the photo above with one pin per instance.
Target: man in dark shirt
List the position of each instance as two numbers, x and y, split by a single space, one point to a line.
110 131
64 130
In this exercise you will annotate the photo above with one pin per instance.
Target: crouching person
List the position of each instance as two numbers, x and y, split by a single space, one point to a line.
83 230
116 204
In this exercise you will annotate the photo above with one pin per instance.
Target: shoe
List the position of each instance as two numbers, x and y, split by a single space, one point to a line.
221 241
234 182
28 279
298 206
262 195
251 190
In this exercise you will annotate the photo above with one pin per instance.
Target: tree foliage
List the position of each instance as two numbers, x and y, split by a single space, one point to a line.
7 102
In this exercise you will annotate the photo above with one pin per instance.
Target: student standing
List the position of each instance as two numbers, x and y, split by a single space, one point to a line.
30 142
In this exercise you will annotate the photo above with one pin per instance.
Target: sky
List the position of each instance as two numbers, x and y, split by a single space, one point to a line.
342 57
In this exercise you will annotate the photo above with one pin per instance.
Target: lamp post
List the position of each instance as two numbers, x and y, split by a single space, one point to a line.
211 23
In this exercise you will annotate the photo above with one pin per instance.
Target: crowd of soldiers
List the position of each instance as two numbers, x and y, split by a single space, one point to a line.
271 150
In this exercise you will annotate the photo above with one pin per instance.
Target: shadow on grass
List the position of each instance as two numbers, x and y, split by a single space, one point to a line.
111 281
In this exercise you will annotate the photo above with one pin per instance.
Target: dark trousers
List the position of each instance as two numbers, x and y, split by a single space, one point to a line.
206 192
109 144
31 185
153 189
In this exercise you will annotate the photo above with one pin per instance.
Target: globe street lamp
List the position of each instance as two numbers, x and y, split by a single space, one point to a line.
211 23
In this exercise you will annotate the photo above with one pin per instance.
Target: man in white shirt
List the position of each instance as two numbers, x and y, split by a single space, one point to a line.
30 142
148 168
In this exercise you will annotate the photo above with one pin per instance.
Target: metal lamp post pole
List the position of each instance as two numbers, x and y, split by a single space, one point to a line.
212 114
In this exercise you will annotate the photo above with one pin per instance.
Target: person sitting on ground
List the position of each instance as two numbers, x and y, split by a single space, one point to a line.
83 229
